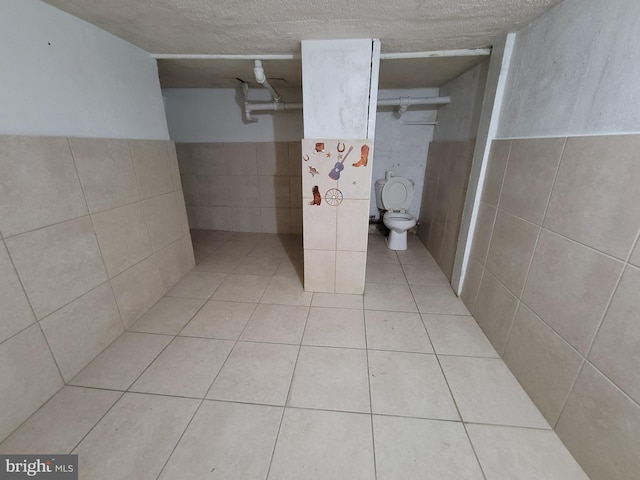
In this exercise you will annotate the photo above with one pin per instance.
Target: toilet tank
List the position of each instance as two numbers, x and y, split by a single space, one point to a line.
379 186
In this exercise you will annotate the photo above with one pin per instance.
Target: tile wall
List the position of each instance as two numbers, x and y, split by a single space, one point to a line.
445 188
554 282
242 187
92 233
336 232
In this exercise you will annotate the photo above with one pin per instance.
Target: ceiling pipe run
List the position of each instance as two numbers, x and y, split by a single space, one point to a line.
403 103
469 52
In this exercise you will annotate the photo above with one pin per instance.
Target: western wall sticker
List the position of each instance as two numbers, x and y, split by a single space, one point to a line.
334 174
317 198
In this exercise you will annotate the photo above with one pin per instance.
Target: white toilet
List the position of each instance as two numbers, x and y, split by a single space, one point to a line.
394 194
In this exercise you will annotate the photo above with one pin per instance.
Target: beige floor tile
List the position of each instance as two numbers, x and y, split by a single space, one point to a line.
61 422
122 361
458 335
403 332
187 367
238 246
409 384
429 275
385 273
486 392
272 248
416 257
286 291
135 438
381 254
390 297
291 266
277 324
315 445
258 266
223 320
256 373
438 300
332 379
242 288
335 327
506 453
167 316
219 263
337 300
411 448
197 285
226 441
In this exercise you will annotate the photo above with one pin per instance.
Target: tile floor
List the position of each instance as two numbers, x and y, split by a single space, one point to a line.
237 373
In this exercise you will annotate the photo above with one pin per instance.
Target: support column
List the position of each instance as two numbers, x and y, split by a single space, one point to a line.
340 88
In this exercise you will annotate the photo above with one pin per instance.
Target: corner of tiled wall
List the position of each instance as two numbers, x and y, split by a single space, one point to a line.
443 196
553 281
94 232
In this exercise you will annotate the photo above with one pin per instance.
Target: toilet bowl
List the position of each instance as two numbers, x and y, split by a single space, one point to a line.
395 195
398 223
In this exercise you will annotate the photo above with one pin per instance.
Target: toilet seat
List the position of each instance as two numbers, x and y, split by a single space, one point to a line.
397 194
399 216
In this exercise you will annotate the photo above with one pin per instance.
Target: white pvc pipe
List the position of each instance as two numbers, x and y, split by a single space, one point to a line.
261 78
274 106
408 101
183 56
383 102
468 52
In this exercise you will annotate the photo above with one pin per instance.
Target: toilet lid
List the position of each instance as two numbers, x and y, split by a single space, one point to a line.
397 193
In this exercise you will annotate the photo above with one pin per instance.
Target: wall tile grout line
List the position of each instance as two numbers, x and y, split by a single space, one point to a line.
535 246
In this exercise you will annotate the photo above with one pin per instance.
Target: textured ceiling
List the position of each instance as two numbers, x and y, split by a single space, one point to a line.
278 26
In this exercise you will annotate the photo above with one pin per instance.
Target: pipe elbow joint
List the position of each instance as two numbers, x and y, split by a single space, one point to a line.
258 71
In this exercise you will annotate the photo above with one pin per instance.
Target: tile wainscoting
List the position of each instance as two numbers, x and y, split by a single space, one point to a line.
92 233
242 187
553 281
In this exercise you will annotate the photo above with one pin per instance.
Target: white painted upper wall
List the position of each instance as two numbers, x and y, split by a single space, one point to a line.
575 71
201 115
65 77
336 79
402 147
459 119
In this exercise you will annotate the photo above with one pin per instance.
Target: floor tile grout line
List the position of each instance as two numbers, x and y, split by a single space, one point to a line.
202 400
287 398
455 403
473 449
291 407
99 420
373 435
